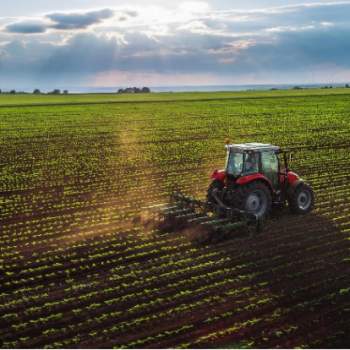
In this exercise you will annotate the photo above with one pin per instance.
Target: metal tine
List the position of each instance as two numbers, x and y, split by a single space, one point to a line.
186 201
188 217
200 219
217 222
169 208
156 206
206 223
177 212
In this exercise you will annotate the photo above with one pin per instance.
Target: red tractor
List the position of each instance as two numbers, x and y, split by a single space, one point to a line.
256 178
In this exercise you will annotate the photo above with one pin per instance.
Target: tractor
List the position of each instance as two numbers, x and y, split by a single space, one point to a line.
255 179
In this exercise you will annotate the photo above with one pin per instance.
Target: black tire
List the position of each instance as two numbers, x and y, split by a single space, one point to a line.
302 199
255 198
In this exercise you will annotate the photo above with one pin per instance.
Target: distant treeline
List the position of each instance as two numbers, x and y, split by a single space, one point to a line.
130 90
134 90
145 90
36 92
321 87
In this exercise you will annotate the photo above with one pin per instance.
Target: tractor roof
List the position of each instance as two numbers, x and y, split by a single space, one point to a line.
253 147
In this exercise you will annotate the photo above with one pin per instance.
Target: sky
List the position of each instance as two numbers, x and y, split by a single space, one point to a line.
111 43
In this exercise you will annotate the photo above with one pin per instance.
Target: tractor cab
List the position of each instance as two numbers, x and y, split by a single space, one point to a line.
254 158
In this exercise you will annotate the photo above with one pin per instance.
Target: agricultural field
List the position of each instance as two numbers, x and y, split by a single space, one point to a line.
78 269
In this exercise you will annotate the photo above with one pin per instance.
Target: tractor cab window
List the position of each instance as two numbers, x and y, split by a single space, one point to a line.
270 166
251 163
234 164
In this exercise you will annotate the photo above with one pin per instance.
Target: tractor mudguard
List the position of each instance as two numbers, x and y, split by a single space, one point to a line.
292 178
293 186
219 175
294 181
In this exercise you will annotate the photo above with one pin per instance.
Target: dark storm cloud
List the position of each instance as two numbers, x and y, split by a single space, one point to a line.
79 20
26 27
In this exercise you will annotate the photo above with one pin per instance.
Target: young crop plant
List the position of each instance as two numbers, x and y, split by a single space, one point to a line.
82 266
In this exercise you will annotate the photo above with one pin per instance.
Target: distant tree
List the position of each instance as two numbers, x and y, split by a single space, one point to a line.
0 91
346 85
134 90
65 92
12 92
297 88
36 92
55 92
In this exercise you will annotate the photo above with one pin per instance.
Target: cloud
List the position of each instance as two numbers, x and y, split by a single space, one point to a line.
237 46
88 53
194 7
65 21
129 13
27 27
282 16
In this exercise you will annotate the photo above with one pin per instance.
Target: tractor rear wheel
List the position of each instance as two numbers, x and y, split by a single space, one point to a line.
255 198
302 199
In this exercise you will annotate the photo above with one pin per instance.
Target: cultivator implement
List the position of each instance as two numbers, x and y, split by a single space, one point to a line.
207 221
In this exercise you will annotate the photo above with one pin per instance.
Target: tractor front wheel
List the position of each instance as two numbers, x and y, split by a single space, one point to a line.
302 200
255 198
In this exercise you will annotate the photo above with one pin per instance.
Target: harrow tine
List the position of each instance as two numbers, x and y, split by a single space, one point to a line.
188 217
200 219
216 222
169 208
155 206
176 212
